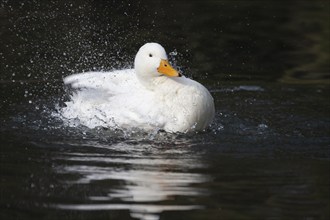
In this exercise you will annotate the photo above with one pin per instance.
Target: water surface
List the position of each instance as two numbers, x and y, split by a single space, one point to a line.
266 156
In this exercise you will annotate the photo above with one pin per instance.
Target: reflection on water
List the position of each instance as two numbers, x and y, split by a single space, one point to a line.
265 157
146 182
147 212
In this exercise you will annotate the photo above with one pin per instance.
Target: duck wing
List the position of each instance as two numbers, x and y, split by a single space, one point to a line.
111 83
110 99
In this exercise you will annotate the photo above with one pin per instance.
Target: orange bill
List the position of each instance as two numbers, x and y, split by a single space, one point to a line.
166 69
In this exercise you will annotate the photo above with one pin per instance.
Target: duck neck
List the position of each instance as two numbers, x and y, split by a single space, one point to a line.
151 83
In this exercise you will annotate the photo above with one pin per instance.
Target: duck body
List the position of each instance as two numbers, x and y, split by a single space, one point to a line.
125 99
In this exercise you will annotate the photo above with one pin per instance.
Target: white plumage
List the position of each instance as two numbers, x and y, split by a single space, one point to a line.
150 96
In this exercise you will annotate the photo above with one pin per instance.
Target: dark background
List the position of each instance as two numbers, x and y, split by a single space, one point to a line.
266 155
256 40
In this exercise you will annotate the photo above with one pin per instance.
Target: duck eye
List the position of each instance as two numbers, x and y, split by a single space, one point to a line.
150 55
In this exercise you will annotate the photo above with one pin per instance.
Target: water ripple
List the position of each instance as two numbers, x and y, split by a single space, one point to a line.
132 179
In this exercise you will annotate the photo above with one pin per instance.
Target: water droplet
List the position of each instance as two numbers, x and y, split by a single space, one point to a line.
262 126
173 53
221 127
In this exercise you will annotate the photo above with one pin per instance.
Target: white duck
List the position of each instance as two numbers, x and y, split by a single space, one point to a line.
151 96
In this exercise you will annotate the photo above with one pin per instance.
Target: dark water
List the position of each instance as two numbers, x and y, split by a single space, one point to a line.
266 156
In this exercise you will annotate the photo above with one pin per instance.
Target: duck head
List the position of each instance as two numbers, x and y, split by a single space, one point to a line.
151 62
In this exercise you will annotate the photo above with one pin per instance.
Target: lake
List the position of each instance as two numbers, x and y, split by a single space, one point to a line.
265 156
